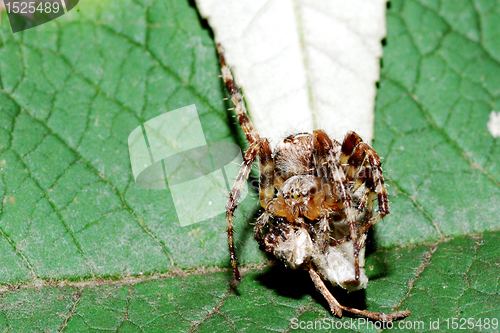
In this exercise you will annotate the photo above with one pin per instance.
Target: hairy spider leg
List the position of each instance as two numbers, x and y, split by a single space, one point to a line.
356 170
380 190
351 166
234 197
260 225
237 99
266 166
330 173
354 164
350 142
259 147
337 308
324 233
363 164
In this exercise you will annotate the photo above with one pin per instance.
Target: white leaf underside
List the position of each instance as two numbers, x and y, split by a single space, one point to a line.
303 64
335 265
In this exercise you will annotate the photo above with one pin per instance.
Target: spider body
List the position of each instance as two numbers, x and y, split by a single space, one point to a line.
294 156
303 223
323 207
299 197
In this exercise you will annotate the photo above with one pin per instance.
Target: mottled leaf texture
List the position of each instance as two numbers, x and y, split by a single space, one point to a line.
83 249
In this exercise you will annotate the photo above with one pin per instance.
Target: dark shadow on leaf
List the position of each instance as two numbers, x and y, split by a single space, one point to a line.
286 282
203 21
297 283
375 264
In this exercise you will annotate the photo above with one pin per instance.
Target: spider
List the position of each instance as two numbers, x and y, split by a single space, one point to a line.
319 218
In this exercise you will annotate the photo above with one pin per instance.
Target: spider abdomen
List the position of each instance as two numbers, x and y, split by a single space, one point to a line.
294 156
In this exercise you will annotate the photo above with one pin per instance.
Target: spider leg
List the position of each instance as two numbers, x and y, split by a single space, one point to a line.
324 233
376 179
366 201
354 153
237 99
260 226
351 140
337 308
256 146
266 192
234 197
330 174
355 163
266 164
363 200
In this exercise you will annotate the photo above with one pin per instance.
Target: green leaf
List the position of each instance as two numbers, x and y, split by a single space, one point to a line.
85 250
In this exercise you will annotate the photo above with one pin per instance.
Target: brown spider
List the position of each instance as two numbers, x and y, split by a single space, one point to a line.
319 219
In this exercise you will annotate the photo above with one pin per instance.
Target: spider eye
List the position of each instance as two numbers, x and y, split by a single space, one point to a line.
312 191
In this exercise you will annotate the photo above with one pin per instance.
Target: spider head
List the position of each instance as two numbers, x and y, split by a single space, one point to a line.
299 189
300 196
